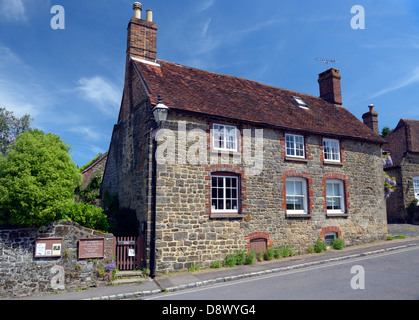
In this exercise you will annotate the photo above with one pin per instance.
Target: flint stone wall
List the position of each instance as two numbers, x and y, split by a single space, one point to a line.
21 274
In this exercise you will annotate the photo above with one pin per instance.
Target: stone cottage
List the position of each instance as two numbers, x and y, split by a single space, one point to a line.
240 164
403 146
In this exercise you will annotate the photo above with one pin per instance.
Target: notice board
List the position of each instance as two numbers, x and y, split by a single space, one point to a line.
48 247
90 248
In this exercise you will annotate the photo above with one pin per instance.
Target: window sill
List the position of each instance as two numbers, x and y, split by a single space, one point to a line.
230 153
303 160
226 215
336 215
333 163
298 215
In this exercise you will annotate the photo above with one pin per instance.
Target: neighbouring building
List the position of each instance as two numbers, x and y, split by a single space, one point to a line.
241 164
94 169
403 146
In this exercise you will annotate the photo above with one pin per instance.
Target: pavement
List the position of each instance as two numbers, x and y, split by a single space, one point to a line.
185 280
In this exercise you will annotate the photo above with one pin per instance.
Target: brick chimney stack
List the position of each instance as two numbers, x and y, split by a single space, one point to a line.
371 119
330 88
142 35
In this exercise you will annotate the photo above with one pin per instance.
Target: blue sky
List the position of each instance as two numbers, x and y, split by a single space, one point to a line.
71 80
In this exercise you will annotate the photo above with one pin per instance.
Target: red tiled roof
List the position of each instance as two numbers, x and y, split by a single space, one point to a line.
411 134
207 93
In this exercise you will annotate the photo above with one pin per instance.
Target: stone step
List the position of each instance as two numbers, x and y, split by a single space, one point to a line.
127 277
128 274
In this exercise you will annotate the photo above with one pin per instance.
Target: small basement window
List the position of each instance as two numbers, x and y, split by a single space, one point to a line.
300 102
329 237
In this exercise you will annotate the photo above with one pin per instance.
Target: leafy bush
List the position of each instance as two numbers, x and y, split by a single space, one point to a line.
278 253
250 257
91 194
320 245
230 260
241 257
269 254
400 236
260 255
338 244
216 264
288 251
86 215
193 267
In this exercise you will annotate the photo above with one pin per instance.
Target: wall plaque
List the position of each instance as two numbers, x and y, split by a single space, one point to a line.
48 247
91 248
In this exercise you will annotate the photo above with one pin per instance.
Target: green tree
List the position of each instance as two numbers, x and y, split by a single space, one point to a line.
10 128
385 131
37 180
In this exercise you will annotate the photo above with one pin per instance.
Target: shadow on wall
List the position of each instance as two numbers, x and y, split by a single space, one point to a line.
123 222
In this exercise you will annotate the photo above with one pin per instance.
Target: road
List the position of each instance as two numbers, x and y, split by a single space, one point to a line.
387 276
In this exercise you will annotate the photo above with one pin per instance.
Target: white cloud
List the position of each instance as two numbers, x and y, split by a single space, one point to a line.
87 132
20 92
101 92
206 27
411 78
205 5
257 27
13 10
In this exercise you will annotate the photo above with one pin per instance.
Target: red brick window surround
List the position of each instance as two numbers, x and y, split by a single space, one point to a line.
226 191
330 229
333 207
257 235
309 204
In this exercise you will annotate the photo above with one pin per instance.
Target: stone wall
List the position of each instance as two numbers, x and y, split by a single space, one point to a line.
400 200
21 274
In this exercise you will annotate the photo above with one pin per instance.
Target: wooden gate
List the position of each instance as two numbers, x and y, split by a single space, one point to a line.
129 253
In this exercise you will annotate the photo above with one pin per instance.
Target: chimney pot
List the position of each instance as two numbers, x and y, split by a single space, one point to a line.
149 15
142 36
370 119
137 7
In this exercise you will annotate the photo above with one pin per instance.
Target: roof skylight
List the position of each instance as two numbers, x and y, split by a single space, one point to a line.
300 102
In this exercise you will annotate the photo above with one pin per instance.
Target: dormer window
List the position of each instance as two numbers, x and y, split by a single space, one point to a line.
300 102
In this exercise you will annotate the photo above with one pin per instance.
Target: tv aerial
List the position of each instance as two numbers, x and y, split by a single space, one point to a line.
327 61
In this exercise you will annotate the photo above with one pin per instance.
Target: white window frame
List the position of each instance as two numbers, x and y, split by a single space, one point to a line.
291 145
303 195
224 194
341 197
416 187
333 146
227 133
301 103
